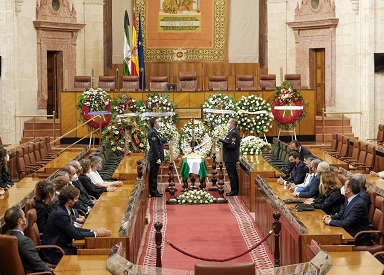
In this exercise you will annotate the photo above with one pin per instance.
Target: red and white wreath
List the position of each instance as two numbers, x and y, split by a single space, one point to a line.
288 100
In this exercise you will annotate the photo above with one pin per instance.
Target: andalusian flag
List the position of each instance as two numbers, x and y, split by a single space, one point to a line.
127 48
134 57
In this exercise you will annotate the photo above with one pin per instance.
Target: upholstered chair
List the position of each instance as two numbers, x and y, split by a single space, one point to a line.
158 83
293 79
82 82
130 83
218 82
187 81
107 83
267 81
245 82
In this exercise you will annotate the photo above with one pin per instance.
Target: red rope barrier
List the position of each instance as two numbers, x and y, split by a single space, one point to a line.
220 260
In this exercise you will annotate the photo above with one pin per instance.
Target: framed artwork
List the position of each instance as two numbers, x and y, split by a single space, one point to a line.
184 30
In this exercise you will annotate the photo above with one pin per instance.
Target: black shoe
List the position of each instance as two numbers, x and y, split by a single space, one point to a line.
231 194
157 195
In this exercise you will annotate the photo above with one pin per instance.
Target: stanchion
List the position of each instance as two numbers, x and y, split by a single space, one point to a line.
276 226
193 181
221 198
158 239
185 185
171 186
139 169
214 172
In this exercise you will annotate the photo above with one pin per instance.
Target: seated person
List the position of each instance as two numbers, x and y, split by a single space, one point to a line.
15 219
45 194
299 172
363 193
59 229
84 203
330 198
59 183
377 174
5 178
91 188
96 164
312 189
304 152
308 178
353 217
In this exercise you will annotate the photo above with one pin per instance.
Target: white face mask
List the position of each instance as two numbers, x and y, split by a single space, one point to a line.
229 126
74 177
342 190
159 125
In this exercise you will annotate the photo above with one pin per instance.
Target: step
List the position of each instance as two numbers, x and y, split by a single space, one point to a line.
332 122
328 137
333 129
41 124
27 139
41 133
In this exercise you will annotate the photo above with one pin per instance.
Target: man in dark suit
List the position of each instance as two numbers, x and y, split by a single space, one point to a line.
299 172
354 216
155 155
231 153
60 230
304 152
312 189
15 219
363 192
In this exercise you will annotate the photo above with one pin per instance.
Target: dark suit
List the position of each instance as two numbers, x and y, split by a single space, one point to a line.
42 210
60 231
365 196
331 203
84 196
28 254
353 218
303 152
156 152
312 189
231 153
92 189
299 173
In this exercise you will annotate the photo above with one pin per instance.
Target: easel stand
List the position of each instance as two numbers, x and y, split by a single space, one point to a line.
290 109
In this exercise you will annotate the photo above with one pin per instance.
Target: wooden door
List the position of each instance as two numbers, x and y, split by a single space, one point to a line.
319 79
54 80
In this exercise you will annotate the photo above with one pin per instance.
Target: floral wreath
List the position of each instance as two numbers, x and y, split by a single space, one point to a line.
158 103
169 131
219 102
196 197
252 145
95 100
286 96
121 105
254 115
201 136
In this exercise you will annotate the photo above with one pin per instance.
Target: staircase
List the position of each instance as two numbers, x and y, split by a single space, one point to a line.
40 129
332 125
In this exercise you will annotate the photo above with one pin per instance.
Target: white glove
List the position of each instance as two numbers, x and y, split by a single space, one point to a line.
158 161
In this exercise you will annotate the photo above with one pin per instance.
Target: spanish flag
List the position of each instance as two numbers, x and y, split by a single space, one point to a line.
134 50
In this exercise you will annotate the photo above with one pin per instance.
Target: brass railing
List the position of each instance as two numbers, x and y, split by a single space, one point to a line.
74 129
34 121
342 120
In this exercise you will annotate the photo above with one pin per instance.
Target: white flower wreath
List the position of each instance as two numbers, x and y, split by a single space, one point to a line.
196 197
219 102
169 131
252 145
204 142
254 115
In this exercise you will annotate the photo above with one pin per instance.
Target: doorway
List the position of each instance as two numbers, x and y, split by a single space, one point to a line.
318 78
54 81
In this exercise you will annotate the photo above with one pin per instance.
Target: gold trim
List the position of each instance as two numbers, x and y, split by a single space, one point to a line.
218 51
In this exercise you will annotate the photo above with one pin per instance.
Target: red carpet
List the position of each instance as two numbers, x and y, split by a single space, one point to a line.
216 231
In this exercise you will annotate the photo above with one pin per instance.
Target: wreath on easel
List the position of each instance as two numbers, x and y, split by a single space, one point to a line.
286 96
95 100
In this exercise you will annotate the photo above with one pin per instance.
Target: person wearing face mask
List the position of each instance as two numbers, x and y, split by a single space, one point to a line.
84 203
155 155
5 178
353 217
299 172
15 219
60 230
45 193
231 154
93 174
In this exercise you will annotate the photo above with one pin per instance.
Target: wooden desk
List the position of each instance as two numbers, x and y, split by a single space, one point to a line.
297 228
250 167
328 158
127 168
356 262
82 265
17 195
376 183
60 161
